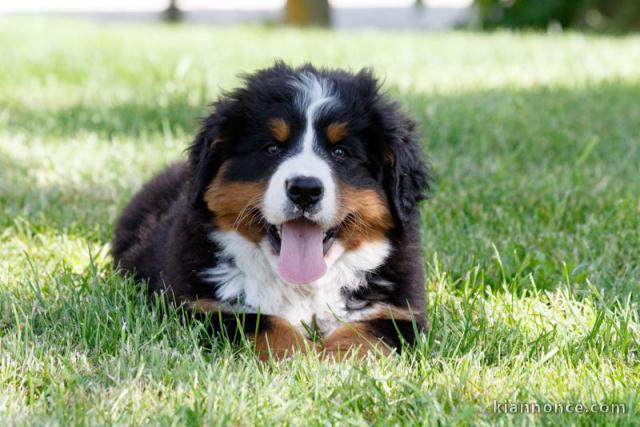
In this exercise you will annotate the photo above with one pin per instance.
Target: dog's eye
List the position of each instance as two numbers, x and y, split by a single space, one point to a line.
273 149
338 153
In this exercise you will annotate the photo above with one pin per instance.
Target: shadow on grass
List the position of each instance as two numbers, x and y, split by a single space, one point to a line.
127 120
85 210
536 187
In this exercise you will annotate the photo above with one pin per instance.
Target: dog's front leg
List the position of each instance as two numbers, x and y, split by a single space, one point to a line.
268 335
382 333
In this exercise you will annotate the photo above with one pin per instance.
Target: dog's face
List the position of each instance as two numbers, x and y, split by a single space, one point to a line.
309 165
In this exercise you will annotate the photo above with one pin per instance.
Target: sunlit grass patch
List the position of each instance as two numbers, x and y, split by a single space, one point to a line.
531 237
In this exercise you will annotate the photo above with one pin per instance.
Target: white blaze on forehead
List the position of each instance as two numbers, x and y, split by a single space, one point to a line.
314 95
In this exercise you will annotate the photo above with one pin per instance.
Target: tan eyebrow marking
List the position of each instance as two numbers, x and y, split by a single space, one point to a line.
279 129
215 141
389 158
336 131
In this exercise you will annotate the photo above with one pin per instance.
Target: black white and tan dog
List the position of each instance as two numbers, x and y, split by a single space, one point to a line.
298 207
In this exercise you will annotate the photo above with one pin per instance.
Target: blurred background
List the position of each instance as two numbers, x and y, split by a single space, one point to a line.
593 15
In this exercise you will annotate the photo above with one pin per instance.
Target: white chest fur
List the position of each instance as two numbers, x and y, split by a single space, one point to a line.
246 275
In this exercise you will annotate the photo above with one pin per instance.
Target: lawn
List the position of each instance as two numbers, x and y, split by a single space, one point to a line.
531 237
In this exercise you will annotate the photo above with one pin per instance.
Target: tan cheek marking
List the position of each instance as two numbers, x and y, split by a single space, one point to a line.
367 216
336 131
279 129
236 206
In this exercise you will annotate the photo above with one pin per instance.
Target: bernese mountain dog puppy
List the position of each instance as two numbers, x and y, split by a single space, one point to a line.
295 219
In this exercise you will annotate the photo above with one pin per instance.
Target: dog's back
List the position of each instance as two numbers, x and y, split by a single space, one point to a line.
144 220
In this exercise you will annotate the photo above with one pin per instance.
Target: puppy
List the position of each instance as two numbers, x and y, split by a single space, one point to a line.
297 207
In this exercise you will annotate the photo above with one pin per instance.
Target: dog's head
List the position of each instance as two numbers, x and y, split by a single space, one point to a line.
309 165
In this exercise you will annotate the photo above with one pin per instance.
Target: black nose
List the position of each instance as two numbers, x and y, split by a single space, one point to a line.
304 191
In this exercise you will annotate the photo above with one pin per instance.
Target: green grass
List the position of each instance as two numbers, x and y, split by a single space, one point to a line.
532 238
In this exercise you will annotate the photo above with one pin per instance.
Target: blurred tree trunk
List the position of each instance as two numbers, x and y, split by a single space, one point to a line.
173 13
307 12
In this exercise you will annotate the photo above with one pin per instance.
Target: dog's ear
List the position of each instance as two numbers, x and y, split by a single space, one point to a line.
405 174
396 146
208 150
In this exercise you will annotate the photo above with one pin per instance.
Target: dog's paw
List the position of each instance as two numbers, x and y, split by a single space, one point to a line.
279 341
352 340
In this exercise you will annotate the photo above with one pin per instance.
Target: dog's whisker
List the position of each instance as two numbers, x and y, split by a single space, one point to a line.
249 209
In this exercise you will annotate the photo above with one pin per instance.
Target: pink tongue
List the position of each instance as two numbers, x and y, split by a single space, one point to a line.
301 257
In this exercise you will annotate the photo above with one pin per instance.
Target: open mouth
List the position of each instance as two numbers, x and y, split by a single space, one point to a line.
301 246
274 232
